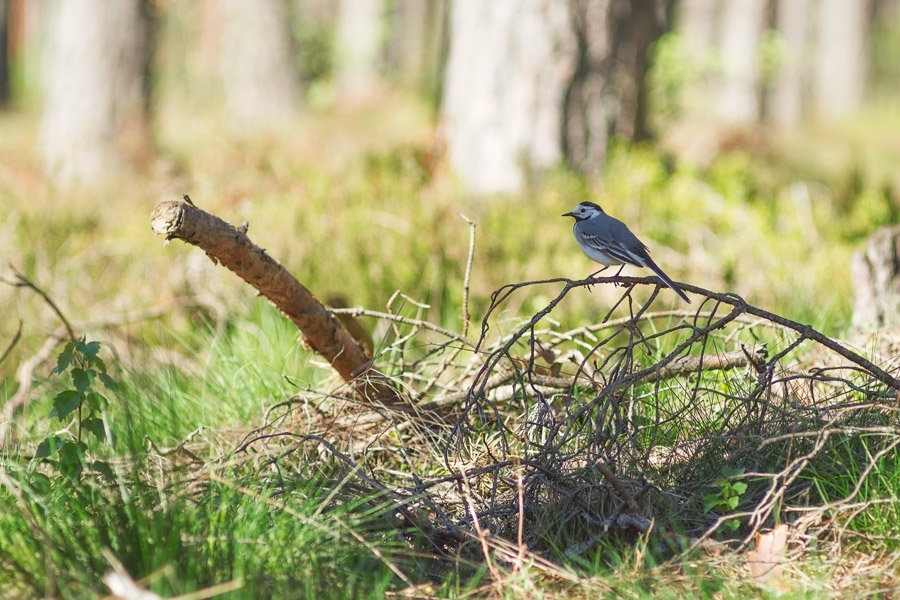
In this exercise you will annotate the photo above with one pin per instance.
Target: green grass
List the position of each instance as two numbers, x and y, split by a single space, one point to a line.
862 475
277 545
187 525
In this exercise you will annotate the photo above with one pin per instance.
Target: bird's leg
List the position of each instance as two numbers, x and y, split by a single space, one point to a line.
595 273
592 275
619 272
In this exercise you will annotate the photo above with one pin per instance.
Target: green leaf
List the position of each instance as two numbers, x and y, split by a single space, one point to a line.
95 426
71 470
710 501
72 453
102 467
82 378
64 359
731 472
87 349
98 363
64 403
95 400
49 445
110 383
732 502
739 487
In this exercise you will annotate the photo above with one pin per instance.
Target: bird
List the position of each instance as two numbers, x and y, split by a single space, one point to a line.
609 242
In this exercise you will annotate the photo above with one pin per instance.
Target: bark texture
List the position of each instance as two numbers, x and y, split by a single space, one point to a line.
96 91
321 331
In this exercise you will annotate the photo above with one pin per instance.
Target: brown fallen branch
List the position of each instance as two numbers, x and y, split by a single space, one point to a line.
688 365
321 331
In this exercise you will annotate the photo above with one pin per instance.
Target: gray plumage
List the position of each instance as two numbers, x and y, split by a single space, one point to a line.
608 241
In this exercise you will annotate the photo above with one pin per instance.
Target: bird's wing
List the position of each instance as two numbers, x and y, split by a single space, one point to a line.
633 253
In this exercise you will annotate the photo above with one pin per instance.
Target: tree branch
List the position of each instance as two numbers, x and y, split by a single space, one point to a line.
321 331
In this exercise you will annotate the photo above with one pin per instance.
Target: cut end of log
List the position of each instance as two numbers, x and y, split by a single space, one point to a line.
167 217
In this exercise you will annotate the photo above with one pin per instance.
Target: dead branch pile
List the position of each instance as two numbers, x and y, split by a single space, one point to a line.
534 438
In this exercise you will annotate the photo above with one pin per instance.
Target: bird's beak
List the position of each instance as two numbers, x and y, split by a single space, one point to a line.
568 214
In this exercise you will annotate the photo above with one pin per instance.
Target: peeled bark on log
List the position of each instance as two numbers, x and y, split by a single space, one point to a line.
321 331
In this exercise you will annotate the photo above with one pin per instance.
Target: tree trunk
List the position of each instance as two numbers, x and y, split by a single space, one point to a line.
509 65
790 90
607 94
741 25
408 40
839 72
259 69
533 83
322 13
97 90
359 44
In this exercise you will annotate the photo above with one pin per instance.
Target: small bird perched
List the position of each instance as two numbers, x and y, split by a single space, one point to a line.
609 242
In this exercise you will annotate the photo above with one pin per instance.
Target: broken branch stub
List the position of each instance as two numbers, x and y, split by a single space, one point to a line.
321 331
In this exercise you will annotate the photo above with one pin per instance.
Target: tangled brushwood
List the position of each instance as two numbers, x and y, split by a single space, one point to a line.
535 443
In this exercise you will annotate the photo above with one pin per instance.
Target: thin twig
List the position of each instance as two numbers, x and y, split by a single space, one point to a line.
22 281
468 273
12 343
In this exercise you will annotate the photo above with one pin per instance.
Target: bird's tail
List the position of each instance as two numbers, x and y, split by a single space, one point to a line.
665 279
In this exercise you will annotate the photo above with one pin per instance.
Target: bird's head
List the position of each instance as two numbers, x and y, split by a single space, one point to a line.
584 210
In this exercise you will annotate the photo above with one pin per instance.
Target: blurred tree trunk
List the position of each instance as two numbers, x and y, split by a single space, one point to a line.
319 12
821 50
415 42
259 62
509 65
533 83
406 42
96 95
696 23
741 24
841 58
360 44
790 89
608 94
4 52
